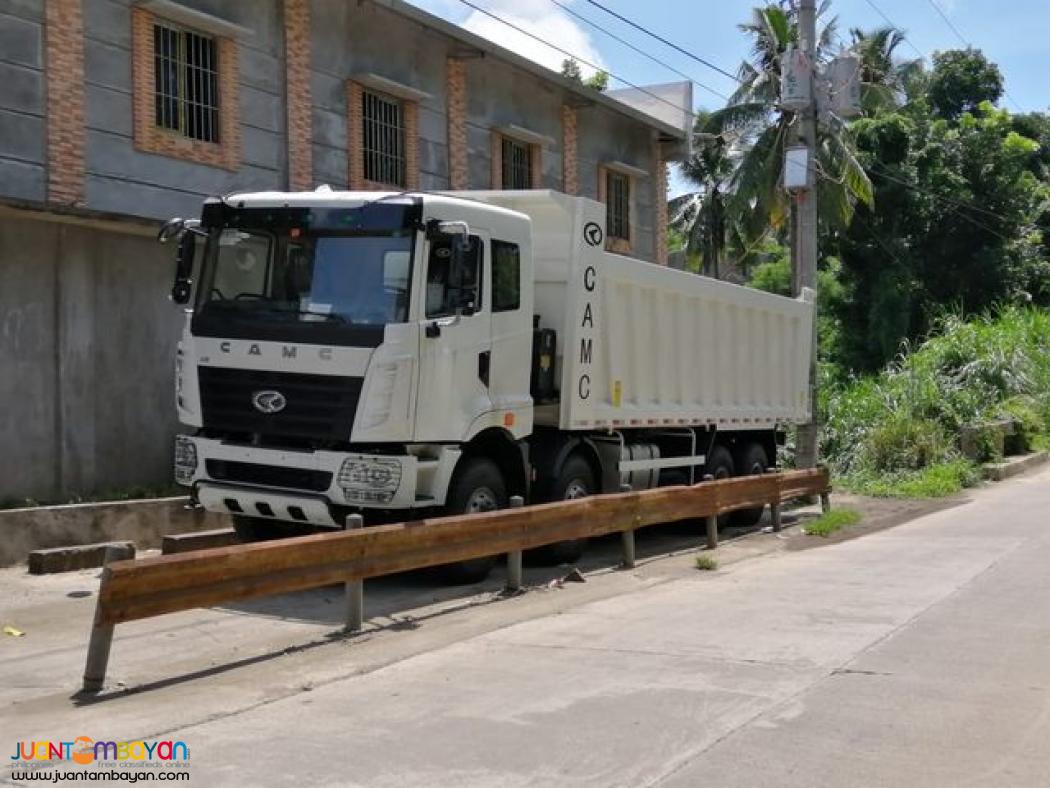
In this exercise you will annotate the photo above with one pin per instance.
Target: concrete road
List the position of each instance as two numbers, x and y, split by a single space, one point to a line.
914 655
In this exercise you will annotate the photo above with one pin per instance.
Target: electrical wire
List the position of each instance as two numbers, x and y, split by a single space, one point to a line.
664 41
640 51
966 43
896 27
689 111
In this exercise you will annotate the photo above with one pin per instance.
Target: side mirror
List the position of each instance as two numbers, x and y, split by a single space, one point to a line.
184 255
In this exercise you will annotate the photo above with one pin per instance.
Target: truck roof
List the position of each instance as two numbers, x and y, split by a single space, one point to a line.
325 197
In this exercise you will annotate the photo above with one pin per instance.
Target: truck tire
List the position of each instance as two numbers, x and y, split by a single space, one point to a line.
477 486
720 465
576 480
752 461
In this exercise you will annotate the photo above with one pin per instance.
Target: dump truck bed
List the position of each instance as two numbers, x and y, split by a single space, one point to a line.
643 345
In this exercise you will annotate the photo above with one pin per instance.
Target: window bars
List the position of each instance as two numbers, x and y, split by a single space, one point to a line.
517 164
384 139
618 202
187 82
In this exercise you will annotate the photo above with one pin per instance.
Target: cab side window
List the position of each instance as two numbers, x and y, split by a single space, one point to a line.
506 276
453 289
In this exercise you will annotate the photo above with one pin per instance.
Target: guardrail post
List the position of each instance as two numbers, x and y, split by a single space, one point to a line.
711 521
101 636
774 507
825 495
355 589
514 556
627 538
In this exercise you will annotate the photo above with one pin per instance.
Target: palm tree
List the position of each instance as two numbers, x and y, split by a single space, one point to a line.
886 80
755 118
700 216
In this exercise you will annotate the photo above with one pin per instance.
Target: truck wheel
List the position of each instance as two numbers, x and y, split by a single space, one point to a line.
477 487
720 465
752 461
576 480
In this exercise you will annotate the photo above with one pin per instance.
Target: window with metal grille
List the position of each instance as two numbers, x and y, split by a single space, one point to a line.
618 205
186 68
384 139
517 164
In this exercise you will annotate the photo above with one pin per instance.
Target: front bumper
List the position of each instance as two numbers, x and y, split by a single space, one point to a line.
295 485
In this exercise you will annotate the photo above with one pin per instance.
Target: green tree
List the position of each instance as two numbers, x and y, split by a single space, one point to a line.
701 216
961 80
570 69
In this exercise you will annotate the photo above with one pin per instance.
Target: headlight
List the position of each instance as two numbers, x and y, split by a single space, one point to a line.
370 481
185 459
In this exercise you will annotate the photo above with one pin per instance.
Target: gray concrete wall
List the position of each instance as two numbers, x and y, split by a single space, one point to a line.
22 99
123 180
606 136
87 338
352 38
500 95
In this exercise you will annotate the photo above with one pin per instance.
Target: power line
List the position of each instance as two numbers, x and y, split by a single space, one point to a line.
896 27
640 51
585 62
956 206
664 41
966 43
947 21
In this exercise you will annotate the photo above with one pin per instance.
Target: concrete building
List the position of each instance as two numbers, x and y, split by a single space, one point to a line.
115 114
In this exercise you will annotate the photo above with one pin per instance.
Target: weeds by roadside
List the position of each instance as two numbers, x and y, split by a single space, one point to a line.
833 521
898 433
706 563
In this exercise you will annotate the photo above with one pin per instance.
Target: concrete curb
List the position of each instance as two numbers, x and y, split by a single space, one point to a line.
84 556
143 522
1013 466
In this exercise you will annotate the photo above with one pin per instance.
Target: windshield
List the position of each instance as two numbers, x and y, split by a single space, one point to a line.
351 278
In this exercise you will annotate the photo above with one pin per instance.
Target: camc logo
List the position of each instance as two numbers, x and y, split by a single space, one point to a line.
85 750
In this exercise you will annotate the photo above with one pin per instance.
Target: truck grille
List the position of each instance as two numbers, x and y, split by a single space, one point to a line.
317 406
269 475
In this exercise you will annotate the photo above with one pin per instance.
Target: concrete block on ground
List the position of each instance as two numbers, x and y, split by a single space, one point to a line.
143 522
1012 466
200 540
68 559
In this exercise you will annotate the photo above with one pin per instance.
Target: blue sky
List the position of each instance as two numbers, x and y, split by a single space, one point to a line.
1015 34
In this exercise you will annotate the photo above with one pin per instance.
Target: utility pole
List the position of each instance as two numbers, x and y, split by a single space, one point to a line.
804 248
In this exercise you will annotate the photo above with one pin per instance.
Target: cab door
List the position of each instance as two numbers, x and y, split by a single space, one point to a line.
455 339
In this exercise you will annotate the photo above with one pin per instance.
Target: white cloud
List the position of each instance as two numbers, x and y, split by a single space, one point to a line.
539 17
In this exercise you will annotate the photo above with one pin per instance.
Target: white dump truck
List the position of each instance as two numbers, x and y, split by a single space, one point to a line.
400 354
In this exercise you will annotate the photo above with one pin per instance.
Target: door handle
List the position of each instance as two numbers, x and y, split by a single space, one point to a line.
483 367
434 327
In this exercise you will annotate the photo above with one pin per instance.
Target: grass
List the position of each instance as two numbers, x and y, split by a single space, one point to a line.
706 563
896 433
833 521
934 481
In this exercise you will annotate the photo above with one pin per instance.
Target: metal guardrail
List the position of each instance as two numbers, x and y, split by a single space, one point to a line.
147 587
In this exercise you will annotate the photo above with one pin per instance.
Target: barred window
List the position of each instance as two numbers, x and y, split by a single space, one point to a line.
187 82
517 164
384 139
618 205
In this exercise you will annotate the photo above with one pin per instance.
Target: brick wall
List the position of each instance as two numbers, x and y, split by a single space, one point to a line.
297 94
660 203
149 138
65 102
569 161
458 148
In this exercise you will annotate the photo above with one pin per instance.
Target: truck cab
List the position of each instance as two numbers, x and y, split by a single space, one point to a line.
343 348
